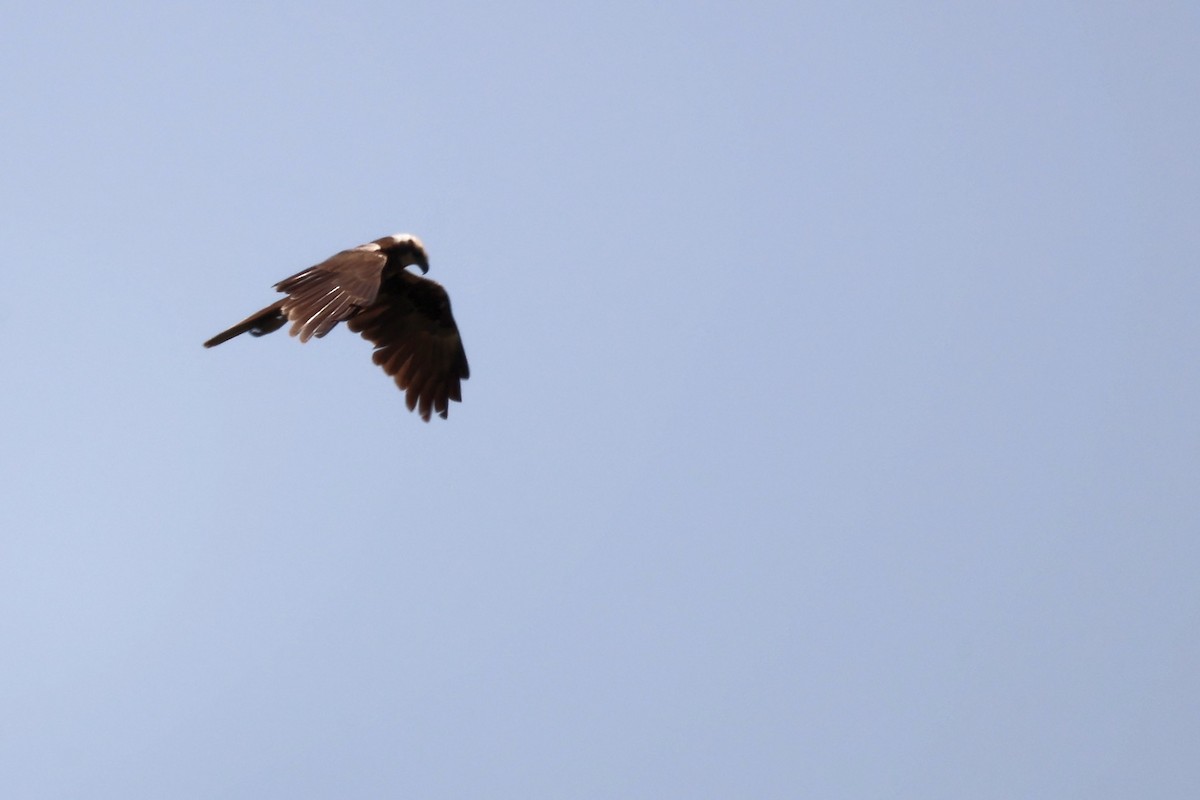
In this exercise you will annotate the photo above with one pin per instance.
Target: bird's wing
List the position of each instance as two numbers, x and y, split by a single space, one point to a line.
322 296
416 342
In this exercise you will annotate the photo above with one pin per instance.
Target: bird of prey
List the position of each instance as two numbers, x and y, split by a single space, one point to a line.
405 316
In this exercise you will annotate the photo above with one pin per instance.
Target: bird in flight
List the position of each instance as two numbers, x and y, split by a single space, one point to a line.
405 316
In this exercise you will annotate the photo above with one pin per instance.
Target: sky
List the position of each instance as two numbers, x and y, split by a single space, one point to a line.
831 431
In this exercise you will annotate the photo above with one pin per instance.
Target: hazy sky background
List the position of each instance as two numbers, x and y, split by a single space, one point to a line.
833 427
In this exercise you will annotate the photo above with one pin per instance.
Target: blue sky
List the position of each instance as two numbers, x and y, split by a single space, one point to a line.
832 428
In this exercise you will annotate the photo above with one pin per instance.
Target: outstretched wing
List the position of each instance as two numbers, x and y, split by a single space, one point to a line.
416 342
322 296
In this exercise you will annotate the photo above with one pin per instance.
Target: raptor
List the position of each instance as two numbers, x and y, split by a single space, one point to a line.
370 288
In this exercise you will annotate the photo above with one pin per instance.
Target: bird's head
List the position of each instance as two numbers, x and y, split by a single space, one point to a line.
404 250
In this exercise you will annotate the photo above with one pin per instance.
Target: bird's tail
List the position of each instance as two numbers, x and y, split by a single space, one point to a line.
268 320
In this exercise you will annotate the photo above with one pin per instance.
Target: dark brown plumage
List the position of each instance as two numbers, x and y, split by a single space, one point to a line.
405 316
